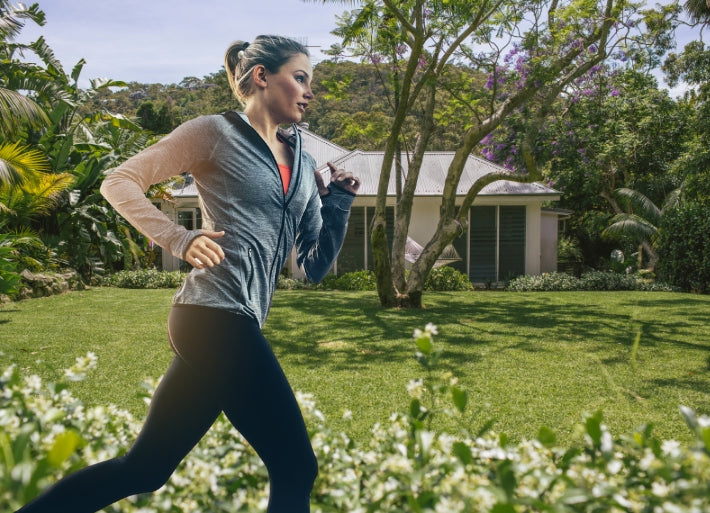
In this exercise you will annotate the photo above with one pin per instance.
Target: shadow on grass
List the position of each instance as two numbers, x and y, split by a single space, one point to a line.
349 331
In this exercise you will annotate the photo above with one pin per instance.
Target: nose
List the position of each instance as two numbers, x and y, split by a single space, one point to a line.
309 93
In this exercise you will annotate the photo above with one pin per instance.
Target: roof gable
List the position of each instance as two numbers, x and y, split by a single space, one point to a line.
432 176
367 164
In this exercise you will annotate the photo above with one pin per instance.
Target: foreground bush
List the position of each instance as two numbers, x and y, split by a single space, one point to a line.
593 280
409 465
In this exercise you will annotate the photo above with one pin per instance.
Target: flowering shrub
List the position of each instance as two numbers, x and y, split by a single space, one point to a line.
408 465
287 283
356 280
447 278
146 279
592 280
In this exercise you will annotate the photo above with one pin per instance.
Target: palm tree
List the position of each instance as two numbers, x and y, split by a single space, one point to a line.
698 10
17 111
642 221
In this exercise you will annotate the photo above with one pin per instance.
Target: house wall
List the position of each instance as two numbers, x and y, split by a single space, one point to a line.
549 233
541 228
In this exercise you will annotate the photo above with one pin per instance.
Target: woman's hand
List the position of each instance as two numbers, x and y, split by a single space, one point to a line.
203 251
338 177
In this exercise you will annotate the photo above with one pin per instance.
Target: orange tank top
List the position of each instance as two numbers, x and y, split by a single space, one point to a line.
285 176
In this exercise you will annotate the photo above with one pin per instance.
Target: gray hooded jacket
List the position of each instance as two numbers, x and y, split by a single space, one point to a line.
240 192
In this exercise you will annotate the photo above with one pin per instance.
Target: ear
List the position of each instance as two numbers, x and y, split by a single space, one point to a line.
258 75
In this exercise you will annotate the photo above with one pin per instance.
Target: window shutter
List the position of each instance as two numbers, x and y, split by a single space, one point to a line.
483 244
512 242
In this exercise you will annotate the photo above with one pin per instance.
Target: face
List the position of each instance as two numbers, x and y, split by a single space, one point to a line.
288 92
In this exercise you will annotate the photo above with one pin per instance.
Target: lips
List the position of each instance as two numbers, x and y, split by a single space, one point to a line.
302 106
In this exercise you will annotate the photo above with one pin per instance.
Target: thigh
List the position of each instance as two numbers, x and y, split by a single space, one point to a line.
181 411
258 400
250 385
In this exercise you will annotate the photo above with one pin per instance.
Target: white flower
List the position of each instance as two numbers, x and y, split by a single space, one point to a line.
671 448
415 388
659 489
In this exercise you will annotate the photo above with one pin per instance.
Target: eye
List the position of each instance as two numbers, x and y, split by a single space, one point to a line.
301 79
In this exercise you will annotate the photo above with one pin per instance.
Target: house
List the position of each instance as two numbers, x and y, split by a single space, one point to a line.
510 231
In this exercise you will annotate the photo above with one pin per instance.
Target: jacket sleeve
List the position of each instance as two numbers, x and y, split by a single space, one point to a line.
322 232
179 152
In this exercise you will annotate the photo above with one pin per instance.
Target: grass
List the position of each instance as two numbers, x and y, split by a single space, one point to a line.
526 359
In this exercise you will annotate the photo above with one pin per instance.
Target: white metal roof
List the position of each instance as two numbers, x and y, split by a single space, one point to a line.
367 164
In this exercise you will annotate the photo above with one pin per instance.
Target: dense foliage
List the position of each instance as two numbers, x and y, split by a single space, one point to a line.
408 465
684 248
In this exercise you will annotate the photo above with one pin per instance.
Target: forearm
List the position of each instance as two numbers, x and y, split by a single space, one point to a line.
318 257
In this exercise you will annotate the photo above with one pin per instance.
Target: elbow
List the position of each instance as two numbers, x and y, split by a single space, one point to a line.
107 186
315 277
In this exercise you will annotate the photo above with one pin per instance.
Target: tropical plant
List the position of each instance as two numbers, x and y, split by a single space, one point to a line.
17 111
641 221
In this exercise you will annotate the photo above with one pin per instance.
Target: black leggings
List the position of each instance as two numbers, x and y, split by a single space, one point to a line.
222 363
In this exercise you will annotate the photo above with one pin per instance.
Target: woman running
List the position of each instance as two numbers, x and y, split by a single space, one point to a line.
260 196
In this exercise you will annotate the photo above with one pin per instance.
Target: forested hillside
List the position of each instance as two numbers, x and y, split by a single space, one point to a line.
352 106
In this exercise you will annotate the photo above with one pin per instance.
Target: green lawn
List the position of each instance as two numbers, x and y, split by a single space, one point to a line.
526 359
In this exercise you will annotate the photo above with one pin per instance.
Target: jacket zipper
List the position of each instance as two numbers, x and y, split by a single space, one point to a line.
284 202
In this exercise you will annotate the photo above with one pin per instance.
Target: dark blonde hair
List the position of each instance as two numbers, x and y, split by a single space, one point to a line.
270 51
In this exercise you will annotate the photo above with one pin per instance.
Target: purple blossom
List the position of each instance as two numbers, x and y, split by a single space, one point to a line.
375 58
422 62
615 92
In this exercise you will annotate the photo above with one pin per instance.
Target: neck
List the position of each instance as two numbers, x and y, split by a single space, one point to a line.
262 123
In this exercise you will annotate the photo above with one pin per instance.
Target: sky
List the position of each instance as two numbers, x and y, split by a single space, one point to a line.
163 41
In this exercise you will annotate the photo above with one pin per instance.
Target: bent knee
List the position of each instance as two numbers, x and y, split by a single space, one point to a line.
144 478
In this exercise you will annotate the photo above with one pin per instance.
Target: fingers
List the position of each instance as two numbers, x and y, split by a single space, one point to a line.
204 252
344 179
322 189
212 235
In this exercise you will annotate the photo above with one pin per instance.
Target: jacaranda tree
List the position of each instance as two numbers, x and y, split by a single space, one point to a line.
528 53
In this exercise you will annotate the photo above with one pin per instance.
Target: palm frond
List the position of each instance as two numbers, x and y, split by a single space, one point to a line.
698 10
640 204
630 225
35 198
19 164
44 52
673 199
9 27
11 16
18 111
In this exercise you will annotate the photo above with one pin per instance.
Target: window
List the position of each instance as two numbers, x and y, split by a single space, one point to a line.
497 243
356 253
